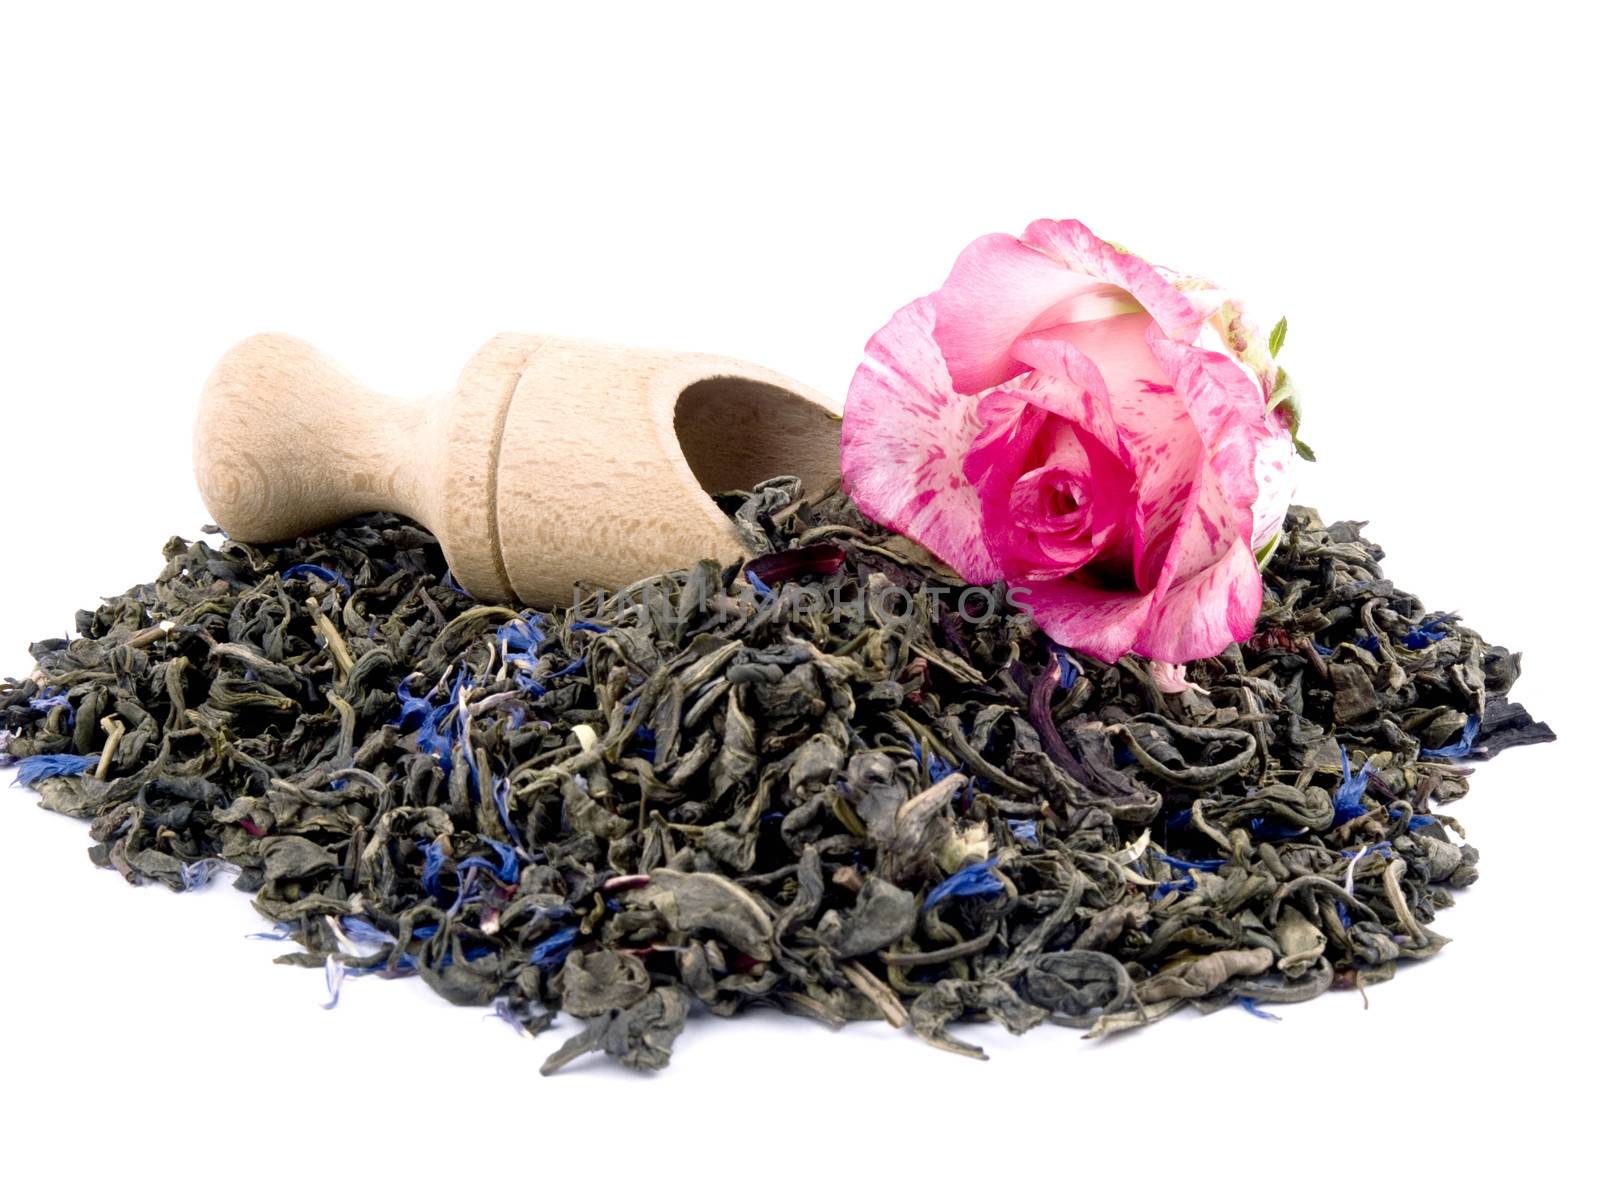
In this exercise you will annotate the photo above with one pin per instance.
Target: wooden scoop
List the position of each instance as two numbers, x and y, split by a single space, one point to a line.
553 461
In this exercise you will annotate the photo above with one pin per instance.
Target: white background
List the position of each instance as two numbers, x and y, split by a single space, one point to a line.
1410 184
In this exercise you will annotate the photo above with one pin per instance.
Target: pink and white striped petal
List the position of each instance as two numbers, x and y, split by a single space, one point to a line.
1000 289
1102 624
1203 615
1073 243
906 433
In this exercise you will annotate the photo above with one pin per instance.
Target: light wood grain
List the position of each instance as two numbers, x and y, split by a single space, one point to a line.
553 461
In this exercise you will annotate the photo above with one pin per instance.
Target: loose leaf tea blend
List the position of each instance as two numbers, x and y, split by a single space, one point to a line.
830 779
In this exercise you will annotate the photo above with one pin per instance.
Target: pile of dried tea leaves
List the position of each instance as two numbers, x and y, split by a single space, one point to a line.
813 780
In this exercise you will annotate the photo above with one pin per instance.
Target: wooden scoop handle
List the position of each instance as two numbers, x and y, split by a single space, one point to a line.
552 461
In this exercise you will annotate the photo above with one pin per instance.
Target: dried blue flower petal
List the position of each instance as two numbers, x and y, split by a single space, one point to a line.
1069 668
591 626
502 805
1462 746
325 574
1347 805
1250 1006
937 767
507 870
1425 635
980 879
1177 885
434 860
196 874
1025 831
365 933
554 949
54 698
504 1010
761 588
413 708
1274 828
1382 849
1184 864
281 931
333 975
53 766
522 635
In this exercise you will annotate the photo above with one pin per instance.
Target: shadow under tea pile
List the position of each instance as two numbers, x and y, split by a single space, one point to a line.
808 781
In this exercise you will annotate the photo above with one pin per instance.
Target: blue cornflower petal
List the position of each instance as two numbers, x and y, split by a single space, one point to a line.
433 864
761 588
313 571
1425 635
1368 643
365 933
505 1012
1250 1006
510 866
1462 746
1177 885
282 931
1025 831
502 804
333 974
51 766
1347 796
1273 828
528 682
196 874
449 581
1184 864
1069 669
1382 849
45 701
1325 651
937 767
553 950
572 668
522 635
591 626
507 870
413 708
979 879
1344 913
1421 821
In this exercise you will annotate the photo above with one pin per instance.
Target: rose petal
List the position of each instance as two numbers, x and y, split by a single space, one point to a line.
1082 617
1203 615
1073 243
1050 429
1016 433
1217 394
1274 486
906 432
1085 403
1152 420
1170 678
1000 289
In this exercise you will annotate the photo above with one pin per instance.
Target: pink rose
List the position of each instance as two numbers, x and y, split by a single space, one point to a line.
1095 431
